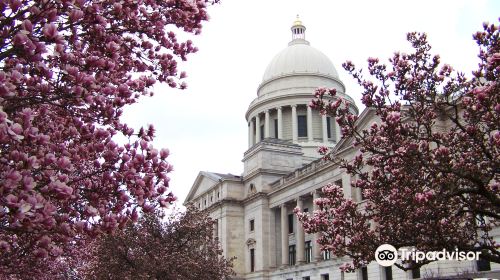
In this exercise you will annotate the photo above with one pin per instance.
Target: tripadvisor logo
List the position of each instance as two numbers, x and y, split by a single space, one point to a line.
387 255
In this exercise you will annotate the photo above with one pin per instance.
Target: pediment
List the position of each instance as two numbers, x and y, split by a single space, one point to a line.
204 181
365 120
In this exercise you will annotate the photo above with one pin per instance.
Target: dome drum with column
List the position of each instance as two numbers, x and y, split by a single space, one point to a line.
281 108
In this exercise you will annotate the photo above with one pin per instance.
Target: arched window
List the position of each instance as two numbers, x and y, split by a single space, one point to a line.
251 250
252 189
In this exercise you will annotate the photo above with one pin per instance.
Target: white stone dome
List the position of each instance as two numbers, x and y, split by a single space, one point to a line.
299 58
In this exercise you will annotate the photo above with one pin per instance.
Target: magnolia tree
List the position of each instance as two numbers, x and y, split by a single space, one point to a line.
428 171
183 247
67 69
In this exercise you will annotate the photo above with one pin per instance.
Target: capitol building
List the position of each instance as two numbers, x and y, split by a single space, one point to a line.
282 170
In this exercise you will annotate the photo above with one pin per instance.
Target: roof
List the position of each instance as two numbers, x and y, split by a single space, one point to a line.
220 176
299 58
206 180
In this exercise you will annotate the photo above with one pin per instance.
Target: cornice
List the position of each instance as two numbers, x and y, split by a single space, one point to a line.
264 83
268 143
299 175
251 198
260 171
290 97
223 202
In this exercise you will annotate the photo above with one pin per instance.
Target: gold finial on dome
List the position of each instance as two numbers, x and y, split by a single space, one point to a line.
297 21
298 30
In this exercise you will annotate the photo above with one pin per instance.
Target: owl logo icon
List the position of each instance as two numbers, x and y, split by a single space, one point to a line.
386 255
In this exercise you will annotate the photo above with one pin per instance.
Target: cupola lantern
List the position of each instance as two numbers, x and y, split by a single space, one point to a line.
298 30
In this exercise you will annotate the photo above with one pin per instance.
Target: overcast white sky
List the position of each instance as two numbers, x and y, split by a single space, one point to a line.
204 126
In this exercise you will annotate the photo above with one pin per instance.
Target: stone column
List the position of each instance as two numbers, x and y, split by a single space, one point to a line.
337 131
284 236
257 129
325 129
251 136
280 123
300 235
346 186
266 124
310 137
294 124
316 249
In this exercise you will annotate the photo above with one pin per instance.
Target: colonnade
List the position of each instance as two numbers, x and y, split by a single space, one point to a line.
300 235
254 124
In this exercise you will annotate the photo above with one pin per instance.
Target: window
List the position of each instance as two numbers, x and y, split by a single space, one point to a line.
308 251
252 224
483 265
302 126
262 132
211 198
290 223
326 255
218 194
306 210
291 254
325 276
415 273
275 128
306 278
252 260
388 273
364 273
252 189
328 127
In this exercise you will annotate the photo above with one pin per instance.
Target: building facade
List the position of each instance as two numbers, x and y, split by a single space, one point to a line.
254 211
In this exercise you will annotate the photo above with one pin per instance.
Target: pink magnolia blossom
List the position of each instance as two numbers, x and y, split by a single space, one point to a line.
50 30
68 70
429 170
